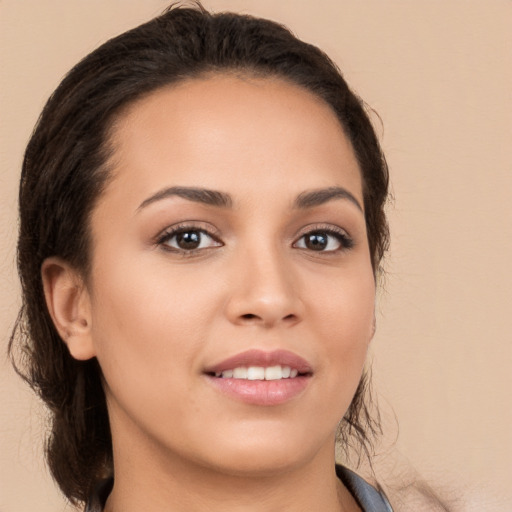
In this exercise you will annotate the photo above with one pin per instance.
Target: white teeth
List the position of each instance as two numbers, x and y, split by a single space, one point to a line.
273 373
276 372
255 373
240 373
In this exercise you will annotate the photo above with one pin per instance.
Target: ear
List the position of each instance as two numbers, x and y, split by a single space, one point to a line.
68 302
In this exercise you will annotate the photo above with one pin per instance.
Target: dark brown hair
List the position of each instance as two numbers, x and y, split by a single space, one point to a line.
65 170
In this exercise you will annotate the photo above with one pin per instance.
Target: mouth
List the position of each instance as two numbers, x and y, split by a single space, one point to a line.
261 378
276 372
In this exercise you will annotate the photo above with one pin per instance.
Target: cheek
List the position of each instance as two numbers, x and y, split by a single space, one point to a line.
346 308
146 319
148 327
344 320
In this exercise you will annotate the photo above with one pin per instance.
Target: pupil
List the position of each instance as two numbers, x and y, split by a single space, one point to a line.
316 241
188 239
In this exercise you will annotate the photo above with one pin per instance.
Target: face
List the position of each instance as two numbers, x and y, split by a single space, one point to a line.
229 246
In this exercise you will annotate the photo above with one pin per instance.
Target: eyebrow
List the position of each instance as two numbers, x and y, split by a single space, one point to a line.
305 200
320 196
196 194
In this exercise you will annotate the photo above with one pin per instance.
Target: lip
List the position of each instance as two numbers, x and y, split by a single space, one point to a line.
261 358
261 392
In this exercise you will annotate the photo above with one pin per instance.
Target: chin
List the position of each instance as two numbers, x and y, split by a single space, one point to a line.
261 456
260 466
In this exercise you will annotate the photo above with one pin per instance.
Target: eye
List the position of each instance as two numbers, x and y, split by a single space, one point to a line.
187 239
324 240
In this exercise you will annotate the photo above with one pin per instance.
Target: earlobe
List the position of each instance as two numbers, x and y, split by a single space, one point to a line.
68 303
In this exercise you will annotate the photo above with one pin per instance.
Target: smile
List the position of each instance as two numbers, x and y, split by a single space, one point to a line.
261 378
276 372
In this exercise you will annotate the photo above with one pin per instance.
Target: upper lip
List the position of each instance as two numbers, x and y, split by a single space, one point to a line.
262 358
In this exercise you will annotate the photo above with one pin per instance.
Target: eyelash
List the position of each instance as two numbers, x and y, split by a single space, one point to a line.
163 239
345 241
341 236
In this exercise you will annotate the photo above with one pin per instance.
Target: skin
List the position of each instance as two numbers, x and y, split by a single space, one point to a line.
156 317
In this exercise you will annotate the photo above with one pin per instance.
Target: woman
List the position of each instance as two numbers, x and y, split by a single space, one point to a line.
201 229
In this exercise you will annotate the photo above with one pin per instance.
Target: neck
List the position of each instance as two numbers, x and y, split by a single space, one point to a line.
156 482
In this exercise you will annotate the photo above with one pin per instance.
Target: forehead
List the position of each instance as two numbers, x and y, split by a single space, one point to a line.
236 131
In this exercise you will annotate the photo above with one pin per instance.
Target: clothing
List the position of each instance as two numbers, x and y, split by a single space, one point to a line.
366 496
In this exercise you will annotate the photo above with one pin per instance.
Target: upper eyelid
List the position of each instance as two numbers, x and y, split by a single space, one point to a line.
189 226
333 228
344 237
170 232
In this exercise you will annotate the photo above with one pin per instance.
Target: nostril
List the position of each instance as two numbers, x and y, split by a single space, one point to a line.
252 317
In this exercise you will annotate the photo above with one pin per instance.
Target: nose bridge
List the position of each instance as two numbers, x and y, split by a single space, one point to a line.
266 291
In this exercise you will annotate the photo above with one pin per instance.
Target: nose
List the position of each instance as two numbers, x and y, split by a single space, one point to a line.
266 291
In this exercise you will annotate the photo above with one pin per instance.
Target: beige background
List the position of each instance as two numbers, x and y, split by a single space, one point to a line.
439 72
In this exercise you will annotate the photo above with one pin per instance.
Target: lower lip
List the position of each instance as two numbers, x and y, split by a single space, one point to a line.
261 392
